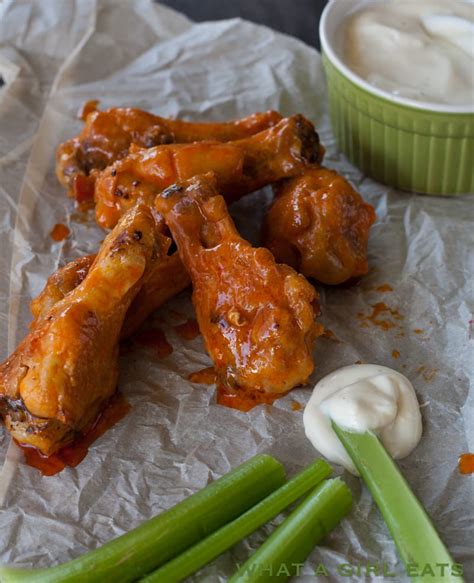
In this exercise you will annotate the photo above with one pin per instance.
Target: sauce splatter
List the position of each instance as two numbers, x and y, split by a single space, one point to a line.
466 463
329 334
188 330
59 232
296 406
395 354
384 288
206 376
427 373
72 455
418 331
358 362
382 316
155 339
87 108
244 400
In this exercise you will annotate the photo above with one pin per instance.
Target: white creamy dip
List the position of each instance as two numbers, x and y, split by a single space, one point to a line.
365 397
418 49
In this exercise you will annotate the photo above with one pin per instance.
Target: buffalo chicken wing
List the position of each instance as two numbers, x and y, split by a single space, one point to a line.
164 279
108 135
320 225
240 167
257 317
62 374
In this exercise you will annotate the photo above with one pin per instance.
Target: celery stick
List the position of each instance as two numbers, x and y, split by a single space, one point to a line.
413 532
283 553
219 541
158 540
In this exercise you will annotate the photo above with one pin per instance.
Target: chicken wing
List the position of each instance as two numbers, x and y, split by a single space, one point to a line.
61 375
240 167
107 136
58 285
164 280
257 317
320 225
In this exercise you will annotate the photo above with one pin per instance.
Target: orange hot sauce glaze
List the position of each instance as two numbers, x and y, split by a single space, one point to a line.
188 330
72 455
59 232
466 463
155 339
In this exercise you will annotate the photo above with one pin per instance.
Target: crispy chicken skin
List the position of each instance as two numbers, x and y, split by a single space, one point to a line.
58 285
164 280
319 225
240 167
257 317
61 375
107 136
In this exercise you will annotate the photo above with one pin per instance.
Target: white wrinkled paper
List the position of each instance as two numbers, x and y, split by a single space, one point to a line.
54 56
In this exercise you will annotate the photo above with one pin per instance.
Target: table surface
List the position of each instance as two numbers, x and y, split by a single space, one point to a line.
300 18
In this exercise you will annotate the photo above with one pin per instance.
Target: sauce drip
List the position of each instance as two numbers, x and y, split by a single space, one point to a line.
188 330
206 376
395 354
418 331
59 232
384 288
87 108
382 316
295 406
427 373
83 189
329 334
155 339
244 400
466 463
73 454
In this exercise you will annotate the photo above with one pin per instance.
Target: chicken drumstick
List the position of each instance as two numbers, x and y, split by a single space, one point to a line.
257 317
62 374
108 135
240 167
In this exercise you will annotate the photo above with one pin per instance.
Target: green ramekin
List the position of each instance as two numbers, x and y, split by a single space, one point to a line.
427 148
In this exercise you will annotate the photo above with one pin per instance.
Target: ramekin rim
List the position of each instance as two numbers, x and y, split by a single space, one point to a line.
351 76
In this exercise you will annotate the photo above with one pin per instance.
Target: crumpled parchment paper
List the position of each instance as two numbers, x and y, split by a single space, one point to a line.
54 56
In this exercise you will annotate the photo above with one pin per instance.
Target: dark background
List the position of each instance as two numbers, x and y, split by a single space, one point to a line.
299 18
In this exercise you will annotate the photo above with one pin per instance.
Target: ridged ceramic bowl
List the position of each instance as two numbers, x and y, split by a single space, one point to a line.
416 146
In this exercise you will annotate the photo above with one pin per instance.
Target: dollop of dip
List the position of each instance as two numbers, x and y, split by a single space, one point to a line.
361 398
421 50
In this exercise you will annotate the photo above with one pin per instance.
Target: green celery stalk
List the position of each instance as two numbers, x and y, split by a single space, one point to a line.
283 553
158 540
219 541
413 532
